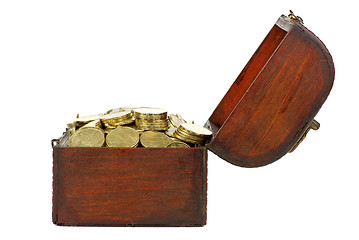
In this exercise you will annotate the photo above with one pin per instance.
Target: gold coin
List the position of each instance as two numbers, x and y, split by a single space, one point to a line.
89 118
175 139
149 121
87 137
150 113
175 120
196 130
151 139
95 123
170 131
122 137
80 121
185 133
188 139
177 144
116 117
117 123
155 124
159 126
192 134
152 128
109 126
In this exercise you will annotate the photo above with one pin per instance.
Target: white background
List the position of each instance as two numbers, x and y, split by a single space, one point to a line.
60 58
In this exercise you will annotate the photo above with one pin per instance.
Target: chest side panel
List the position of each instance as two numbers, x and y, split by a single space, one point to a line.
130 187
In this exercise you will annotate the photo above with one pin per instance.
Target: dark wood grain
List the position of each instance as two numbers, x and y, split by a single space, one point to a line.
247 76
129 187
274 99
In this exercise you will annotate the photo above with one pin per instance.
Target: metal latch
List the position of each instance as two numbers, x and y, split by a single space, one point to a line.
315 125
294 17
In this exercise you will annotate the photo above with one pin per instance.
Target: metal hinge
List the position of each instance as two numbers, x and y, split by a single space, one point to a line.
315 125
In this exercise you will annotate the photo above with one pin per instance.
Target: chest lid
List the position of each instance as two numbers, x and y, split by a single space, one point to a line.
275 98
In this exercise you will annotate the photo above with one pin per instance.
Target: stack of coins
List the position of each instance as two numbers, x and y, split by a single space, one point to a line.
115 119
151 119
193 133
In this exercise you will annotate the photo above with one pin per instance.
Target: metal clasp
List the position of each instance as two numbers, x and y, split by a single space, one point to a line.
315 125
294 17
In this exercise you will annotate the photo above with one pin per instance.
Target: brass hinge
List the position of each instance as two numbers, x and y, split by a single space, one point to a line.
315 125
294 17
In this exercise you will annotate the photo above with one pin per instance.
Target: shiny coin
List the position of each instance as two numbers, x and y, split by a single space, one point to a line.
152 121
182 131
150 113
121 109
170 131
122 137
152 125
117 123
109 126
157 124
188 139
196 129
193 133
152 128
87 137
175 139
151 139
95 123
175 120
116 117
80 121
177 144
87 119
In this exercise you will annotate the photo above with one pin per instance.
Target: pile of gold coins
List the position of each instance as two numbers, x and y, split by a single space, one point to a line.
136 127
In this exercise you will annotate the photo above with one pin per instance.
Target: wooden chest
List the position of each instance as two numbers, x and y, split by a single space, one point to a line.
130 186
263 115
